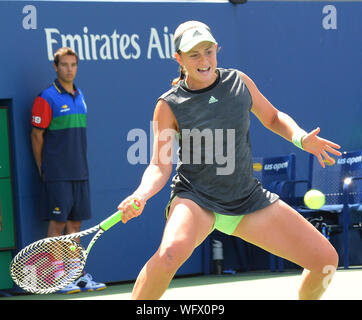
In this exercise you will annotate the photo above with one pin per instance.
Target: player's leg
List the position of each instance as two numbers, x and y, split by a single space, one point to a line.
187 226
282 231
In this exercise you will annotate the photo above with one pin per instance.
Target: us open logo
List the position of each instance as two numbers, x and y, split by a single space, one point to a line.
57 210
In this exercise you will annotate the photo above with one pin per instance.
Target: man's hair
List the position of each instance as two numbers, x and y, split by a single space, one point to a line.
63 52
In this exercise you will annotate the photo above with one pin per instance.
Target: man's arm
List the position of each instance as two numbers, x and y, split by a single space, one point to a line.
37 141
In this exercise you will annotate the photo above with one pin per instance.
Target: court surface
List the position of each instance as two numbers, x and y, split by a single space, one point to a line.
346 285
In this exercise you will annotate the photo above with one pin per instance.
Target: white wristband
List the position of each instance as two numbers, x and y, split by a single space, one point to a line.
140 197
298 137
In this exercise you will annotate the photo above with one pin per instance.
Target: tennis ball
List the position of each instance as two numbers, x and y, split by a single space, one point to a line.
72 248
314 199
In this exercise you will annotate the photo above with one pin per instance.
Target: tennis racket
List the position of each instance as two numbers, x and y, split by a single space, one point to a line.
50 264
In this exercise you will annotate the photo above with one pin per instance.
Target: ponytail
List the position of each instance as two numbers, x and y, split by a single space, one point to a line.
181 77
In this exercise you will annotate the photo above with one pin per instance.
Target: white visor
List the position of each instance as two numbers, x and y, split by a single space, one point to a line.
192 37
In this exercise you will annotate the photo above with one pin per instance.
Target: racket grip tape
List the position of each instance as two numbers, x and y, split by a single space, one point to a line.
116 217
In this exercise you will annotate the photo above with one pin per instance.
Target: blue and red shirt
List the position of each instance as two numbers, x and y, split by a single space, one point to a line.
64 117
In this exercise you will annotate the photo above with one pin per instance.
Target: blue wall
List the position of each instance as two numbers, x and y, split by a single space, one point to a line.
310 72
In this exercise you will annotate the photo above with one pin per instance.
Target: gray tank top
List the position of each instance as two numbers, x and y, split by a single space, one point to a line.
215 167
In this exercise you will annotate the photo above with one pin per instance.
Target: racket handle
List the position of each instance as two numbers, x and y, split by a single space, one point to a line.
116 217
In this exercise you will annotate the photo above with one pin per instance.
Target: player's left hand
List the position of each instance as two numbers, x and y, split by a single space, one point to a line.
320 147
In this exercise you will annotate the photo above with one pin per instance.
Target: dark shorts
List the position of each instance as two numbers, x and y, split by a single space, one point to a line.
66 200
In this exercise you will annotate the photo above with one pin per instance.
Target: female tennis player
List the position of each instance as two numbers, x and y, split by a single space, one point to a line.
209 108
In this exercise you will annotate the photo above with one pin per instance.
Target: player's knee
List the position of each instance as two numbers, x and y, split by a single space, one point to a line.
332 257
327 260
173 256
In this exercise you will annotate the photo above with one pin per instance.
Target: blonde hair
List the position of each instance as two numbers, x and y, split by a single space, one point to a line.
178 34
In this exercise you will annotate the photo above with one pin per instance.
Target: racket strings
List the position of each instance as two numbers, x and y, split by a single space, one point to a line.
48 265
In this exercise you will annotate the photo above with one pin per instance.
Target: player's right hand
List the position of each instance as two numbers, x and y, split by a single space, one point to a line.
131 207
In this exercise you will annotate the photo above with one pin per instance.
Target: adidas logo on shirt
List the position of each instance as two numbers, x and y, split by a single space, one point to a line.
212 100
